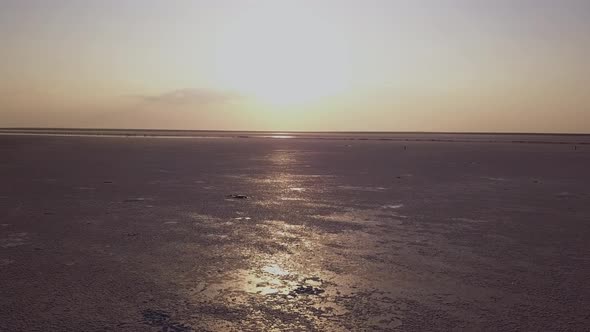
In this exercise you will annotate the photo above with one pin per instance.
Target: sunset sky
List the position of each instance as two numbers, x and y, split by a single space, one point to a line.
430 65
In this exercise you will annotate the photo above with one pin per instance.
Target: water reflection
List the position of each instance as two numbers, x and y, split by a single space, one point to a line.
283 157
282 268
271 279
279 136
276 270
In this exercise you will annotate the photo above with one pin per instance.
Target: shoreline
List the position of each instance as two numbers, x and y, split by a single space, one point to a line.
512 138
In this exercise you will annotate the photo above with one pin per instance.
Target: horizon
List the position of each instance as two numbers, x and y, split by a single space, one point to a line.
260 65
16 129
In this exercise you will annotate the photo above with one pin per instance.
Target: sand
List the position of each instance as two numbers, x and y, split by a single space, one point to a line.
139 234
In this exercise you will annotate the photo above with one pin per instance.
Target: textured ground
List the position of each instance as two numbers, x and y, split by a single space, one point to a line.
138 234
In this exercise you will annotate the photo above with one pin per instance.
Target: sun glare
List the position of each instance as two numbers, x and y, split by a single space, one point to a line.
282 55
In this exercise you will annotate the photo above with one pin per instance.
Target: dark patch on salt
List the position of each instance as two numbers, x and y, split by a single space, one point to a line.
162 319
306 290
236 196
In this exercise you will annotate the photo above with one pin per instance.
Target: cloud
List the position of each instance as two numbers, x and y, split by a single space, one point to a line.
191 97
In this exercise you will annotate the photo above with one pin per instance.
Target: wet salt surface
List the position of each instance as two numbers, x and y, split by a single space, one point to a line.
331 237
14 240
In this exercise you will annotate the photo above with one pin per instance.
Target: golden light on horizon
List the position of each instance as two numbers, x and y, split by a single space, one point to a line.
282 56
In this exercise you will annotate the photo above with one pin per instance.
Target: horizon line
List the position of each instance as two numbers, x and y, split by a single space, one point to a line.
291 131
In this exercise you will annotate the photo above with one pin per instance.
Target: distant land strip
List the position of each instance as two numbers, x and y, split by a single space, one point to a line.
458 137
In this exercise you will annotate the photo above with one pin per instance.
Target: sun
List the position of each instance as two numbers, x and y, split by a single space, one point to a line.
282 55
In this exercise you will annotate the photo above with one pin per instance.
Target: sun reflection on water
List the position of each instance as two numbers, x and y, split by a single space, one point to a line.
271 279
280 136
276 270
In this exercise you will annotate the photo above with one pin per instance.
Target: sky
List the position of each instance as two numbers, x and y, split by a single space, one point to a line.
333 65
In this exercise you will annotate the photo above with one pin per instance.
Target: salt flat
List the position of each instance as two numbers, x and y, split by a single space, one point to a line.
143 234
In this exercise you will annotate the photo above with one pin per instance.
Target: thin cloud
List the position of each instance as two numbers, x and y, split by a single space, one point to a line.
191 96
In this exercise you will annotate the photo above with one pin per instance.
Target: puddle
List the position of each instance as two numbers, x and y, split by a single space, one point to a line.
270 280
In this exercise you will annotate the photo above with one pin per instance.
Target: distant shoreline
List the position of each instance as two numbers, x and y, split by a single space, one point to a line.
29 129
463 137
